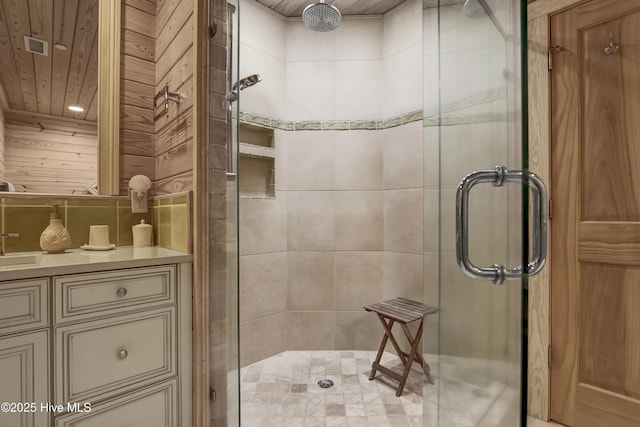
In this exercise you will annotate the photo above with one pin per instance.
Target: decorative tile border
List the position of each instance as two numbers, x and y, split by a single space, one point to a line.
268 122
445 115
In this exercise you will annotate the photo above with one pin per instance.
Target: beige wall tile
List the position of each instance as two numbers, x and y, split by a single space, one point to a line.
262 338
403 219
431 161
403 157
403 276
310 330
263 285
310 220
358 160
358 95
466 148
359 220
358 38
358 330
310 90
263 226
358 279
310 160
310 281
431 221
431 297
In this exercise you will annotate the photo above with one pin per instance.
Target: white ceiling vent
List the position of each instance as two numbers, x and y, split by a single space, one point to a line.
39 47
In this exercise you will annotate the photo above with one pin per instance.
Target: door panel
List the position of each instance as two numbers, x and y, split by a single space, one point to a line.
595 372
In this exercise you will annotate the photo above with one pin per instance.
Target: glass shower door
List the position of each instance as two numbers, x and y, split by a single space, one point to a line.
475 124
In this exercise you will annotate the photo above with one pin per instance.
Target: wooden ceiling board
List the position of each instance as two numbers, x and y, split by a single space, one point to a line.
40 12
65 13
294 8
8 76
49 84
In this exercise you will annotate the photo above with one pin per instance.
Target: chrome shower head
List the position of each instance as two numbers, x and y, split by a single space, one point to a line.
321 17
473 9
247 82
242 84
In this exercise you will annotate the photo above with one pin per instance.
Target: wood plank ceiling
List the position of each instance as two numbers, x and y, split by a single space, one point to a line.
294 8
49 84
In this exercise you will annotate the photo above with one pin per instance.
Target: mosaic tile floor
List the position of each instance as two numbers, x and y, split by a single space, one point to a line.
283 391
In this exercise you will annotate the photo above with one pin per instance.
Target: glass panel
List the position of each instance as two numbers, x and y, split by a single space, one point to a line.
223 224
472 122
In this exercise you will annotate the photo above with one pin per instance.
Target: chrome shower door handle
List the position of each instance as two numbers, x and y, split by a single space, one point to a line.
498 176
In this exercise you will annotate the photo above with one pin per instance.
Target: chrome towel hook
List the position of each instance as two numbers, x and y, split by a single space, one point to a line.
612 48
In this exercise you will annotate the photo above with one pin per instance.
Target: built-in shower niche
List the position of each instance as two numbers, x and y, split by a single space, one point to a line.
256 161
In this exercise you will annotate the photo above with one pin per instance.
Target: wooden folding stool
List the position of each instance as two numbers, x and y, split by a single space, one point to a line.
403 311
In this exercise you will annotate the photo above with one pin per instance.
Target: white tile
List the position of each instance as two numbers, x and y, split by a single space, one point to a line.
403 27
359 38
403 157
403 87
267 29
358 89
310 90
267 96
358 160
303 44
310 160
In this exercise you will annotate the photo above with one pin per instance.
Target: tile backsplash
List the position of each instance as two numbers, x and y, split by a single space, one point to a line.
29 215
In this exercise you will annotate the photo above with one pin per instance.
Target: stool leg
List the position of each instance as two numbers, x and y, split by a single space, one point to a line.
387 329
380 350
407 333
412 355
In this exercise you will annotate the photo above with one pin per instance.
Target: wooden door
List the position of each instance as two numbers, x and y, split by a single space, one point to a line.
595 236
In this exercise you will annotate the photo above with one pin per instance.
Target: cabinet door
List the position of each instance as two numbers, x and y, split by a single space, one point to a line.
154 406
24 374
24 305
101 359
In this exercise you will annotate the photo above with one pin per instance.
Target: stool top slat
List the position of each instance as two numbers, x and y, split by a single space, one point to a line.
401 309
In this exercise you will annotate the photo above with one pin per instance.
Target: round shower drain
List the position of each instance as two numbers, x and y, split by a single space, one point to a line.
325 383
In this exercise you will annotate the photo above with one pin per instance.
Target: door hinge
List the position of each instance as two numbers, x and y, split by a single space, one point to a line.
550 208
212 395
549 356
550 56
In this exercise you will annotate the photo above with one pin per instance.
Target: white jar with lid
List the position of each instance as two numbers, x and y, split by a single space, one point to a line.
142 234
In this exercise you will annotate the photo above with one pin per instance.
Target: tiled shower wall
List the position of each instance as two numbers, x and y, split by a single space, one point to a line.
346 226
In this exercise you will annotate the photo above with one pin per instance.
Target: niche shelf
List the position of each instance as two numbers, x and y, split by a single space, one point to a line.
256 161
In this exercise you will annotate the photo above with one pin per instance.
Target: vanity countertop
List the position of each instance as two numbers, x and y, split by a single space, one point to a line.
80 261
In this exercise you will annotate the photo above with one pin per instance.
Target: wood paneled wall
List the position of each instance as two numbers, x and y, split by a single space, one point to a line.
137 88
1 142
47 155
174 67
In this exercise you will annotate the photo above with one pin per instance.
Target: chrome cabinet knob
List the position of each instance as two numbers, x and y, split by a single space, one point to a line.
122 292
122 354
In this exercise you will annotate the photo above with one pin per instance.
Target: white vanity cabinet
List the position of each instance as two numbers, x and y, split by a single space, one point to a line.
104 348
24 352
122 344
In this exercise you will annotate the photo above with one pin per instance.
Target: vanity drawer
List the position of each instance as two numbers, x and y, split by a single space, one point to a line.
24 305
100 359
154 406
82 296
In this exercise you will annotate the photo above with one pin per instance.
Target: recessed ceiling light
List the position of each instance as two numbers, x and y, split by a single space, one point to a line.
60 46
76 108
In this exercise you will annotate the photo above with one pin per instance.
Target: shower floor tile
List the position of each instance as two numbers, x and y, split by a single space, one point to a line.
283 390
